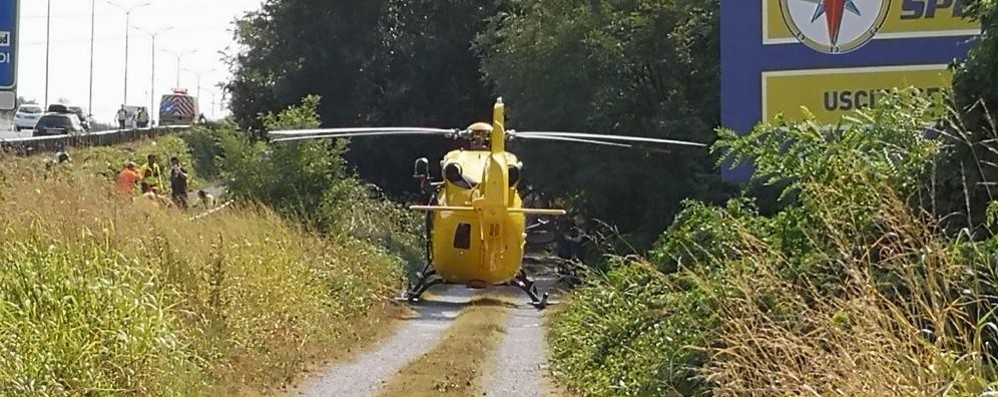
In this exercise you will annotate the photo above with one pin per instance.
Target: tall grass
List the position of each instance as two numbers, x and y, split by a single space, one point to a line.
100 295
850 289
899 322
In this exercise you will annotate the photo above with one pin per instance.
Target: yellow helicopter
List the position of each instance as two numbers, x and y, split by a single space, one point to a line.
476 223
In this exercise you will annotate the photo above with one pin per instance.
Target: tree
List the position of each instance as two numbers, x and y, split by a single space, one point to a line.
967 169
422 74
294 48
375 63
643 67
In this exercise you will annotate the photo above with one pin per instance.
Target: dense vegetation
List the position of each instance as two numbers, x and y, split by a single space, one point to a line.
875 277
647 67
307 182
873 272
105 295
846 290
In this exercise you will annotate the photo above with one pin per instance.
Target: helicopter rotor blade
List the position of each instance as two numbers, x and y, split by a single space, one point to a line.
349 135
624 138
362 130
566 139
284 136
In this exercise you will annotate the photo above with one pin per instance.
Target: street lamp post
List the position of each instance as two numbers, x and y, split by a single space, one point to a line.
93 25
179 56
128 14
152 84
48 31
199 79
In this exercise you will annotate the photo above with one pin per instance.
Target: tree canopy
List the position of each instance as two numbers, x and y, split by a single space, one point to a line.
643 67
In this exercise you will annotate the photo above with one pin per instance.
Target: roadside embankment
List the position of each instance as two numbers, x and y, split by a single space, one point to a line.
101 294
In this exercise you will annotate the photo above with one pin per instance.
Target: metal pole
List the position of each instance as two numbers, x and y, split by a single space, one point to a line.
48 31
93 8
127 16
152 85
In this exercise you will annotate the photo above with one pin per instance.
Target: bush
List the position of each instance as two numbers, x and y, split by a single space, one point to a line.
205 146
848 288
630 332
308 181
107 161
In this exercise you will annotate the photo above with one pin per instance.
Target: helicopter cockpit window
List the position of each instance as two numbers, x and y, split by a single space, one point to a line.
455 175
514 175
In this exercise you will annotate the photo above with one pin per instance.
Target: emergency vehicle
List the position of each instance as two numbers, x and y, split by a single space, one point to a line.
178 108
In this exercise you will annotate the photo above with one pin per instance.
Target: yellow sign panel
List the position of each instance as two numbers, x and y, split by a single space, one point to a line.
831 93
904 19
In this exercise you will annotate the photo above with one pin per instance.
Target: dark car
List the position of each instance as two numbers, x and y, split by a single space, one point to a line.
84 119
58 124
78 111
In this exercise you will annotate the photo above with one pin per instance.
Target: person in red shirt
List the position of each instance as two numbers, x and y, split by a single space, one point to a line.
127 178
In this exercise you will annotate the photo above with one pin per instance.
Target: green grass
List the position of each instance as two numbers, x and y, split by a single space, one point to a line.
100 295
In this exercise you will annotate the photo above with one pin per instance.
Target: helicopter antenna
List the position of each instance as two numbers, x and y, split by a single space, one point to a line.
536 134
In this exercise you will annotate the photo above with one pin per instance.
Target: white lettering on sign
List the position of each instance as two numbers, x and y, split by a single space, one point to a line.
4 57
4 39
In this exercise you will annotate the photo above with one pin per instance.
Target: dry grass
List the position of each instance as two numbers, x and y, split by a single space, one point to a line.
455 366
897 324
122 298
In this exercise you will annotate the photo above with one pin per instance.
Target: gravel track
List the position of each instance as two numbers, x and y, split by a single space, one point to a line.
517 369
520 363
365 374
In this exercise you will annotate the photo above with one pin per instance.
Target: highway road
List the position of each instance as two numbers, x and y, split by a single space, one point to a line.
6 133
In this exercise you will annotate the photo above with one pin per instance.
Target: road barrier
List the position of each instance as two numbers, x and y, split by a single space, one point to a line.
51 144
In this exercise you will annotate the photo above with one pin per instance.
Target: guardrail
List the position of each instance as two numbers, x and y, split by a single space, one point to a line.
51 144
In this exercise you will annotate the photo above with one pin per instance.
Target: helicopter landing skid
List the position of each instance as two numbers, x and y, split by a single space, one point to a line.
427 278
528 287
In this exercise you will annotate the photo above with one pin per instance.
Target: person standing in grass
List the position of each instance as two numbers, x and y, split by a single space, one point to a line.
151 173
178 183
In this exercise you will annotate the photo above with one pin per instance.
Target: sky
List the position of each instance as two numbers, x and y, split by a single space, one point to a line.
204 26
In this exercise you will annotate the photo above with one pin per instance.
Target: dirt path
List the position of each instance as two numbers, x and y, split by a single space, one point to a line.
518 366
366 373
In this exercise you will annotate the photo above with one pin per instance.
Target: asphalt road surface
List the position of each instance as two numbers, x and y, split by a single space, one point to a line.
6 133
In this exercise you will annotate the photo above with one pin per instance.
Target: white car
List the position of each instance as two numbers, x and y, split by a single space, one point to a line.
27 116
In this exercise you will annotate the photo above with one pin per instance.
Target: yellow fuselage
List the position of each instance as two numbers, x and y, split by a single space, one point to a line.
484 245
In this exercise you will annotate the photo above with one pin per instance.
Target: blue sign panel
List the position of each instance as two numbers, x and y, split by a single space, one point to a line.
830 55
8 44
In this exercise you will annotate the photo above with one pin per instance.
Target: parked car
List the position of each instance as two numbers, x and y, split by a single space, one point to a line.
75 110
84 118
26 117
54 123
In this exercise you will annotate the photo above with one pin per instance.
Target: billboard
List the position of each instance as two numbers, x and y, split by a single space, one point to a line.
8 53
832 56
